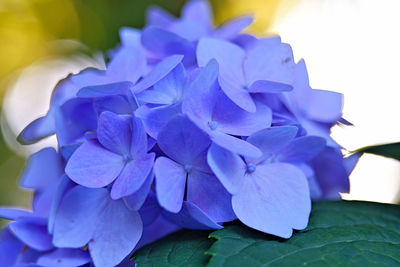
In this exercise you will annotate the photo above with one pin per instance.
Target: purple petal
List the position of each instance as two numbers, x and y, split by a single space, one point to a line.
330 173
270 141
117 88
37 130
232 28
168 90
170 184
155 118
202 95
233 120
64 257
229 57
302 149
93 166
274 199
114 133
210 196
42 168
270 62
158 72
227 166
163 43
261 86
13 214
10 247
238 94
115 103
324 106
33 232
190 30
133 176
192 217
192 141
235 144
158 17
135 201
199 11
139 138
350 162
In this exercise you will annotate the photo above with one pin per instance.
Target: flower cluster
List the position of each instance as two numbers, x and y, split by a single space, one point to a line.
189 126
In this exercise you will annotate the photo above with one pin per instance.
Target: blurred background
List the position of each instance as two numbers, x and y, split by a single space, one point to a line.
350 46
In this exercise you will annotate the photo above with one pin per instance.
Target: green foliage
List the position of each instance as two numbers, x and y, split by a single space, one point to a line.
339 234
387 150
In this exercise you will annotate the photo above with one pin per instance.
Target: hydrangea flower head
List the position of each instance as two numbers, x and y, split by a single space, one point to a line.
188 126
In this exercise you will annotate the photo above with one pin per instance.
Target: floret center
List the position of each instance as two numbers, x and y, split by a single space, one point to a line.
213 125
188 168
251 168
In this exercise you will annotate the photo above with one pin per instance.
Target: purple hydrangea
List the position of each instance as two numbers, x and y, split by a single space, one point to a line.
189 126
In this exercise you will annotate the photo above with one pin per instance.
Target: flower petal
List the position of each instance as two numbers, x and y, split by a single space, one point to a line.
192 140
157 73
274 199
239 95
64 257
324 106
170 184
210 196
199 11
232 28
233 120
235 144
133 176
42 168
168 90
117 88
227 166
158 17
33 232
114 133
261 86
93 166
139 138
155 118
37 130
192 217
136 200
302 149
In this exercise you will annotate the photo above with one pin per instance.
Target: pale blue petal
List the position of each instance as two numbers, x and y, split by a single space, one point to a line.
133 176
324 106
302 149
232 28
11 213
238 94
261 86
227 166
235 144
93 166
157 73
182 140
199 11
275 199
170 184
135 201
139 138
158 17
210 196
37 130
117 88
64 257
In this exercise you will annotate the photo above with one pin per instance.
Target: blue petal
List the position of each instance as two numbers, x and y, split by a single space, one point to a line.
270 62
37 130
350 162
230 29
33 232
210 196
10 248
324 106
10 213
168 90
42 168
238 94
136 200
93 166
302 149
114 133
170 184
192 141
270 141
202 95
158 72
233 120
117 88
192 217
133 176
199 11
274 199
115 103
155 118
235 144
139 138
158 17
227 166
261 86
229 57
64 257
164 43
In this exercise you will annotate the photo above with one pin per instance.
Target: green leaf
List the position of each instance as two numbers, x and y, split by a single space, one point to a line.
184 248
386 150
342 233
339 234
